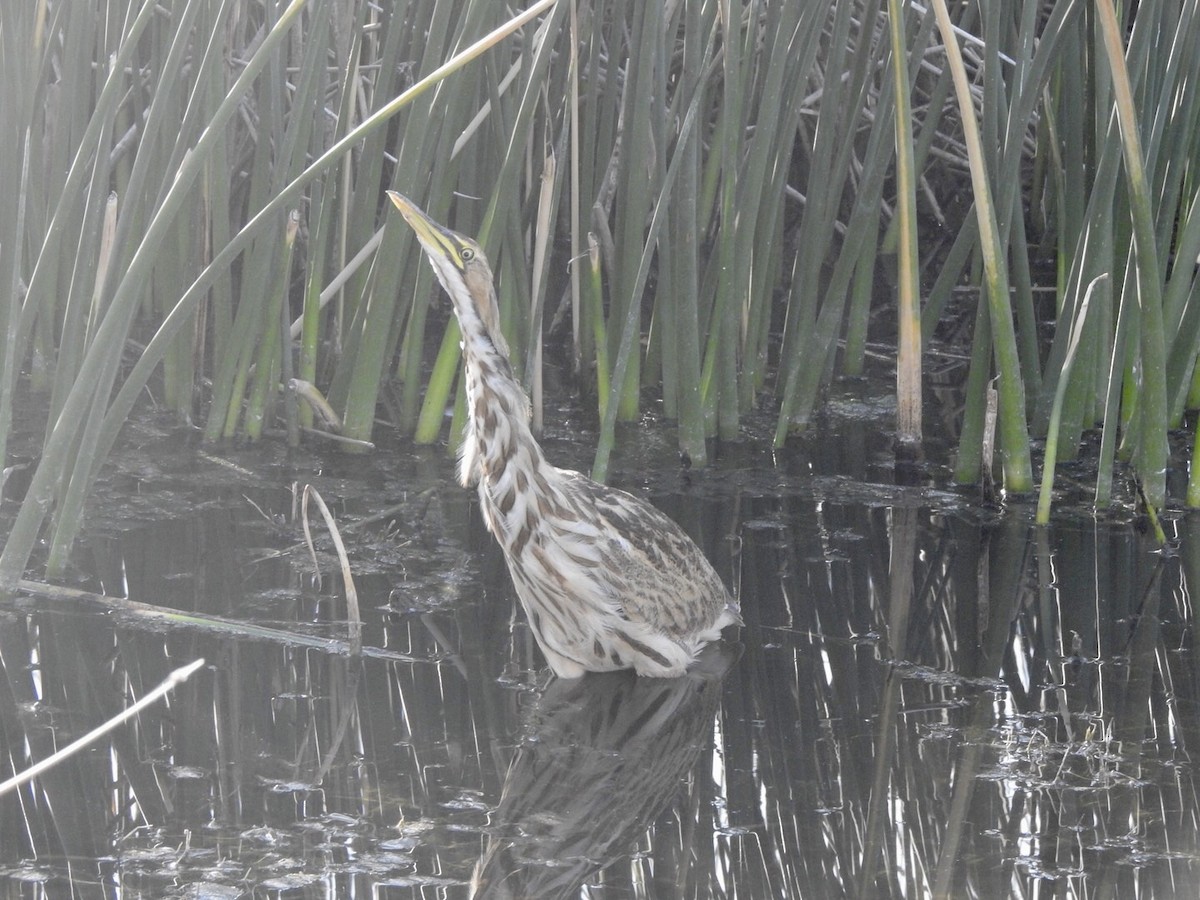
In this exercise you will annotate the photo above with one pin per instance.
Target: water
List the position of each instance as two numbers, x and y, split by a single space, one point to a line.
928 698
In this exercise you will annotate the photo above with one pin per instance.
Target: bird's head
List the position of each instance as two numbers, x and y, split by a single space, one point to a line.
460 266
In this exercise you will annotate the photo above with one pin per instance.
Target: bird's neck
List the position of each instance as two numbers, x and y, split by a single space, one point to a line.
497 438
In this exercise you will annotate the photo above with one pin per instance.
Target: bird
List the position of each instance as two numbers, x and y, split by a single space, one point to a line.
607 581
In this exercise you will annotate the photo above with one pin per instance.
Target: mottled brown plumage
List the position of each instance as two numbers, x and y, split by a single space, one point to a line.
607 581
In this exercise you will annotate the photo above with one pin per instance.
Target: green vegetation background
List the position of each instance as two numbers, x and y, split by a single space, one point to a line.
698 197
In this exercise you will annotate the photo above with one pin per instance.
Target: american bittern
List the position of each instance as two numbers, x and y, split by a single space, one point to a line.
607 581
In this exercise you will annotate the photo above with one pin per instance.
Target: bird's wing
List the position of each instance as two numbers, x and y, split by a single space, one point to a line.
642 561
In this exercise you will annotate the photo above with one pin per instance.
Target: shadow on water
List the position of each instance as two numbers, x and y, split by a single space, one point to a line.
930 700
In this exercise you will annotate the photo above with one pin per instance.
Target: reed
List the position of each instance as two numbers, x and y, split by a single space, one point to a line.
908 347
735 164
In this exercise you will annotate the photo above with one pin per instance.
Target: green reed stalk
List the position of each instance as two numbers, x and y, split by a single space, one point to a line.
72 335
908 355
441 380
594 301
573 163
542 238
1181 318
636 194
322 209
861 289
274 342
660 364
718 386
681 305
1175 135
685 253
1151 453
1077 329
972 465
178 267
1018 469
11 310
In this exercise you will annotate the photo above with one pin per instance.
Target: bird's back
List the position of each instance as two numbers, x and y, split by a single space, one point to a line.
665 580
607 580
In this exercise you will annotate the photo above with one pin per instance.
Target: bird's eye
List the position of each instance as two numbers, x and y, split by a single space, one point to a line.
467 254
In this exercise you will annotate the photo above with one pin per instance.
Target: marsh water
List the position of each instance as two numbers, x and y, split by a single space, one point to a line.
930 697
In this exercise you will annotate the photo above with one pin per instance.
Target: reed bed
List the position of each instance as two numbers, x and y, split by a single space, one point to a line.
705 193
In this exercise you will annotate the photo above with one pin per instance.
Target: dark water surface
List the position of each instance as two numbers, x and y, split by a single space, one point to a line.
927 699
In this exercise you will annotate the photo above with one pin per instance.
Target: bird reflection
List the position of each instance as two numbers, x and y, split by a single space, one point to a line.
603 755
